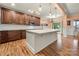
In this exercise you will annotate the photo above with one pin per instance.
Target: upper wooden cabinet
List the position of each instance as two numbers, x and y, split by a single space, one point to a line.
13 17
37 21
6 16
17 18
26 21
34 20
22 19
0 36
0 15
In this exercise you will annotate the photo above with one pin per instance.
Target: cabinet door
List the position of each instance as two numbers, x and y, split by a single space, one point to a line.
7 36
14 35
22 18
26 19
23 34
37 21
17 18
0 15
6 16
0 34
0 37
4 36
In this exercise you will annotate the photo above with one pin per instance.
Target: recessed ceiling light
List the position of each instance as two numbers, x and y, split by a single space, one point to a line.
13 4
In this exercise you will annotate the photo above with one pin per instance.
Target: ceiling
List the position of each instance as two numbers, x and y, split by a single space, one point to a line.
69 8
24 7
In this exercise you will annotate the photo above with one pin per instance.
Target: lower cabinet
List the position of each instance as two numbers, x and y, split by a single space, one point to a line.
0 37
4 36
23 34
14 35
7 36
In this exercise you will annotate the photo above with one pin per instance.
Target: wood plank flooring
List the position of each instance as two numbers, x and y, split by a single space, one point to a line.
63 47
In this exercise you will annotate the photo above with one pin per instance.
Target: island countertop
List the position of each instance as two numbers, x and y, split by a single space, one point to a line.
43 31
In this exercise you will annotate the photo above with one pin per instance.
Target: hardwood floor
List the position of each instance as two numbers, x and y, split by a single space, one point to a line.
65 47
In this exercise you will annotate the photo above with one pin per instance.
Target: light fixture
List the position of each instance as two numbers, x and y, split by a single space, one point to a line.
40 8
50 15
13 4
36 11
29 10
50 12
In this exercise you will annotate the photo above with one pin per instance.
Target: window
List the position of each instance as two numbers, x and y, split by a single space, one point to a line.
76 23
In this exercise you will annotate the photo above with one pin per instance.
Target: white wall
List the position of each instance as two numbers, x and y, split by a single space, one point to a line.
70 29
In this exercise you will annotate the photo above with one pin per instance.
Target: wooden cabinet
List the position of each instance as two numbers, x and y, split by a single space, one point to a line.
34 20
0 37
6 16
12 17
20 18
14 35
0 34
6 36
37 21
23 34
17 18
26 19
0 15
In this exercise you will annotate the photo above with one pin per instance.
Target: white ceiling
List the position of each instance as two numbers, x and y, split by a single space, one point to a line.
34 6
71 8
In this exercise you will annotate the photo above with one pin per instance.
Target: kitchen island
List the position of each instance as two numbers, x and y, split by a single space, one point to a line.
39 39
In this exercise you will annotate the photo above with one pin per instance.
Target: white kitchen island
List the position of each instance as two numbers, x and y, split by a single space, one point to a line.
39 39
